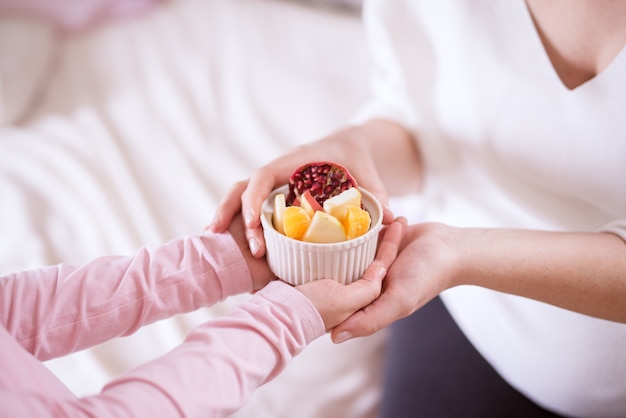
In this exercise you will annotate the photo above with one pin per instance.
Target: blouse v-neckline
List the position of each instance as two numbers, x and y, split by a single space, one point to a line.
539 45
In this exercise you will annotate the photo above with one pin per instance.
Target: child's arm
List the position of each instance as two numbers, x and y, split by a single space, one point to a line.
56 310
220 364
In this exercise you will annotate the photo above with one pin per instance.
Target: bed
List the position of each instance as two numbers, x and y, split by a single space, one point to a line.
130 133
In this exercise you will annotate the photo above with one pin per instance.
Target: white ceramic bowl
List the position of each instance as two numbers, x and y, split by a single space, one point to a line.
299 262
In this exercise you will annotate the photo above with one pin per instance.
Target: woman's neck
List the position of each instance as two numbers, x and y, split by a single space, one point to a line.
581 37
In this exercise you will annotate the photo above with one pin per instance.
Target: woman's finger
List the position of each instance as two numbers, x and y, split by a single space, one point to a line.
228 207
387 252
374 317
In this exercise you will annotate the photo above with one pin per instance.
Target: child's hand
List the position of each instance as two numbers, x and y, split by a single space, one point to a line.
336 302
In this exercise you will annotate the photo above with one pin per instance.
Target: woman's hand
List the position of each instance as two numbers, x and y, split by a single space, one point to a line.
584 272
335 302
427 265
364 150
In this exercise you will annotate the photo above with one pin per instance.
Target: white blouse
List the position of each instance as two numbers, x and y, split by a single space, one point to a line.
506 144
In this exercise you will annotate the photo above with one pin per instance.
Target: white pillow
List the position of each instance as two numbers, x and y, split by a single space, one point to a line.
27 51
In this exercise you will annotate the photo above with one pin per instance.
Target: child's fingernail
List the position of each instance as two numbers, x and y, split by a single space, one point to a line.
343 336
254 245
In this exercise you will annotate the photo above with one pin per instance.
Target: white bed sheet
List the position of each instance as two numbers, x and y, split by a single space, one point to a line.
130 134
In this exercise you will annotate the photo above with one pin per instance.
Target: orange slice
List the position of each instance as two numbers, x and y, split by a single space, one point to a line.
357 222
295 222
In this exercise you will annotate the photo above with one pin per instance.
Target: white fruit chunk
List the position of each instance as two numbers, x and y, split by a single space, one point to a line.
279 209
338 205
308 203
324 228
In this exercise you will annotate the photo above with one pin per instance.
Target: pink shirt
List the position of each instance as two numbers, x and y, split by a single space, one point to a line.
54 311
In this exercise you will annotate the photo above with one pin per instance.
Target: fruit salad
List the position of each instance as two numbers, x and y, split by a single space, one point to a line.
323 205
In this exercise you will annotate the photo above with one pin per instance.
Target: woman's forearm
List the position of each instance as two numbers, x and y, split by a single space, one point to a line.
395 154
582 272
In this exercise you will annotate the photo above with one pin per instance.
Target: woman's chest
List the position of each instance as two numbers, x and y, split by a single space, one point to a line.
496 99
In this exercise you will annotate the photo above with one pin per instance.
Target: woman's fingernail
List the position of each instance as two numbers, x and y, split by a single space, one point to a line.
254 245
214 221
343 336
381 272
248 217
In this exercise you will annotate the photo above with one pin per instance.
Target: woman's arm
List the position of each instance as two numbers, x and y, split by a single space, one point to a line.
380 154
582 272
393 152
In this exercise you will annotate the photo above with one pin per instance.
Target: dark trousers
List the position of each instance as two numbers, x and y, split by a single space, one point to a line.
432 370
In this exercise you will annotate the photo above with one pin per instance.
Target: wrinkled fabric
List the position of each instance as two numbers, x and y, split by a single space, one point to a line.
76 15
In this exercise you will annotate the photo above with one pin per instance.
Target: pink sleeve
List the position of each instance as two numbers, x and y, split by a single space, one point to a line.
212 374
220 364
57 310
